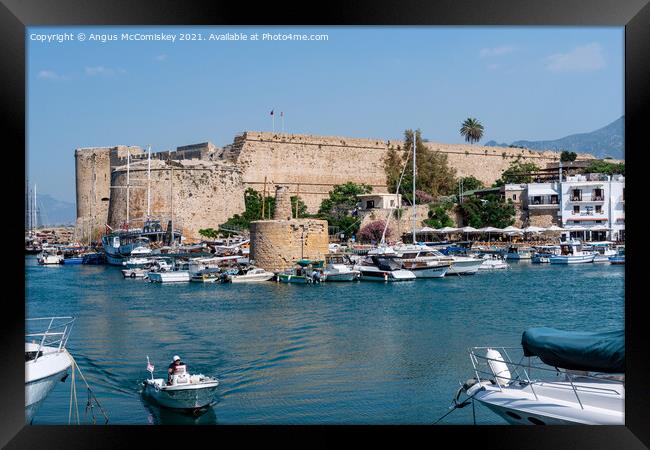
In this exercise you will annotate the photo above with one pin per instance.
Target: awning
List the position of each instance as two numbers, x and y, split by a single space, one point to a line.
577 350
535 190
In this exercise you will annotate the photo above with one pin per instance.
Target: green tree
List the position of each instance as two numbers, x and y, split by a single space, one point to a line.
567 156
301 207
438 216
339 209
471 130
209 233
490 211
253 204
434 176
605 167
471 183
517 172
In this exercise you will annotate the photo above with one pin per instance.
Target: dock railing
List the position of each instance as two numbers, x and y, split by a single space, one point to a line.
49 332
521 372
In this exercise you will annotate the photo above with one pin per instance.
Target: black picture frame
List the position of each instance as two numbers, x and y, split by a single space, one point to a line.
15 15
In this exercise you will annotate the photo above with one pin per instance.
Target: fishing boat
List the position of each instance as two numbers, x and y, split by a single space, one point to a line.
543 253
186 392
305 272
339 267
73 260
571 252
46 358
423 261
251 274
383 267
516 253
557 377
619 258
50 256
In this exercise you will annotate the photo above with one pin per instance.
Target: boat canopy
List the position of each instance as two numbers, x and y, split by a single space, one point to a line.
577 350
307 262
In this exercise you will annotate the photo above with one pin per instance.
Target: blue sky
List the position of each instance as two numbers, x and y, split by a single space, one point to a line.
521 82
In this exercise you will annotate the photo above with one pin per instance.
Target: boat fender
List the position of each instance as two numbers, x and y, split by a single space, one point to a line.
498 366
385 276
474 389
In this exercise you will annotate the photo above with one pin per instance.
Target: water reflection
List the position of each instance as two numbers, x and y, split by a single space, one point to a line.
157 415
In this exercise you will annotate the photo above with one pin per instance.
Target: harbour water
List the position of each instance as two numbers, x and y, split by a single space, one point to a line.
335 353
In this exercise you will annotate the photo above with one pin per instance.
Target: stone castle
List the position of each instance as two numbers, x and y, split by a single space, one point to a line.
204 185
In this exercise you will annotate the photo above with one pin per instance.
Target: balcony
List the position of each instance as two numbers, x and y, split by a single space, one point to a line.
544 205
586 198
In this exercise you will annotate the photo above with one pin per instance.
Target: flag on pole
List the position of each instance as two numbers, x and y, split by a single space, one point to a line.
271 112
149 365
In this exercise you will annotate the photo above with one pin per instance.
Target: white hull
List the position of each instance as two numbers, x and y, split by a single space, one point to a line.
256 278
375 274
571 259
341 276
177 276
493 265
134 273
431 272
41 376
464 266
602 258
557 405
50 260
181 397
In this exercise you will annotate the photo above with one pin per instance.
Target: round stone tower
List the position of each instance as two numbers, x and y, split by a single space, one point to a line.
277 244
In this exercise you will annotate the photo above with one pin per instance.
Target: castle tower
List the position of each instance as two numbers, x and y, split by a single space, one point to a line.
283 209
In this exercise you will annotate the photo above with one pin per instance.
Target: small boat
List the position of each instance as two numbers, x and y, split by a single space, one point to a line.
171 276
50 257
208 275
518 253
619 258
339 267
543 253
136 272
424 261
383 268
602 250
46 358
187 392
251 274
559 378
571 253
493 261
306 272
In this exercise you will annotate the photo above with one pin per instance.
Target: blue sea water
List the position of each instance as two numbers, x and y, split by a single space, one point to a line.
335 353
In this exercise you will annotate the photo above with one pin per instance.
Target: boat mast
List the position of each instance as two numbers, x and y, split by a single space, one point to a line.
414 171
171 199
149 183
35 223
128 183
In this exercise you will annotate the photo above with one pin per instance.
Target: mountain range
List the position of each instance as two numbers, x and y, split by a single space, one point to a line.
53 212
608 141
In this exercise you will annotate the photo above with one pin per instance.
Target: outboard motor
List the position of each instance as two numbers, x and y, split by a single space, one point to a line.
315 276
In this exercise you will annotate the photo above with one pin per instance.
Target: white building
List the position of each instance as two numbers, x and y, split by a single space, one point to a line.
592 206
379 201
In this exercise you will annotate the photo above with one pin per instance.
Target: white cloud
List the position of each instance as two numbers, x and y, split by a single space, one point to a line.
50 75
497 51
582 58
162 57
104 71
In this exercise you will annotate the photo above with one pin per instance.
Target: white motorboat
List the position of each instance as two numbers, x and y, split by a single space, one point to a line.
171 276
383 267
338 267
571 252
602 250
543 253
423 261
46 358
188 392
137 261
50 257
136 272
493 261
251 275
561 378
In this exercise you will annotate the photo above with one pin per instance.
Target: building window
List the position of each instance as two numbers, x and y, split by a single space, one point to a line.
599 209
370 204
554 200
514 196
392 203
576 209
598 194
576 195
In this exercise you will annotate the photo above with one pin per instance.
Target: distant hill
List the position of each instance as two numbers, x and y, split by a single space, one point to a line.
53 212
604 142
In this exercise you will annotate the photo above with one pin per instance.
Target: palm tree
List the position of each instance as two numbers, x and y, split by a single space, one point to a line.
472 130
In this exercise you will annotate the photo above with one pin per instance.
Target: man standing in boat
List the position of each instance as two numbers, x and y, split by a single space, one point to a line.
177 366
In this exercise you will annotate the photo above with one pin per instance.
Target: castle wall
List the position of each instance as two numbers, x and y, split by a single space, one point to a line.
312 165
204 194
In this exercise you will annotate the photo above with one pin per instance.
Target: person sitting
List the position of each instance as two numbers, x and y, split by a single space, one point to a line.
176 367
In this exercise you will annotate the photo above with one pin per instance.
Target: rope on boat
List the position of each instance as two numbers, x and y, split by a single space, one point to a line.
460 405
91 399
